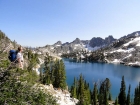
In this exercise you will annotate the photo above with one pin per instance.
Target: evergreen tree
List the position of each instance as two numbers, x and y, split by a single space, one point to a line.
128 96
122 94
56 74
104 91
109 98
59 75
116 101
62 75
46 79
106 99
94 102
101 94
41 76
83 91
87 94
137 95
74 89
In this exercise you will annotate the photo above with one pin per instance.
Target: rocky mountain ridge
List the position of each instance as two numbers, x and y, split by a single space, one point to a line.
125 50
60 48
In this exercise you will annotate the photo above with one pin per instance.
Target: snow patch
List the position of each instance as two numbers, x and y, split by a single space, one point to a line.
122 50
134 64
127 56
77 45
57 45
116 61
52 48
136 40
82 56
88 47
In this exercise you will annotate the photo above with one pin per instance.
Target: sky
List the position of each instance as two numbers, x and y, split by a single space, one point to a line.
40 22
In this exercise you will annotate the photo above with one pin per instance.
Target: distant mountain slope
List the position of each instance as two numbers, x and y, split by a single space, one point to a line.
60 48
125 50
5 43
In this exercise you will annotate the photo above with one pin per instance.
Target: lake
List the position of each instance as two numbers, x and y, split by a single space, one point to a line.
94 72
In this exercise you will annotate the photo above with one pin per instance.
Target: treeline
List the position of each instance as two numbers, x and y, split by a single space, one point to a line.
95 56
100 95
80 90
53 73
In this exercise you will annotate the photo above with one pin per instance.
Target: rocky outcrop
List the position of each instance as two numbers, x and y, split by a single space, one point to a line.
62 96
101 42
125 50
77 45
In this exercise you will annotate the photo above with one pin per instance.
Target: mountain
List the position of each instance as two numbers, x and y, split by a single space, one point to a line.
6 44
99 42
125 50
60 48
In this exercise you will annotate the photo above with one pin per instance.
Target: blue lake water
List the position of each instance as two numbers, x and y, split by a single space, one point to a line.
94 72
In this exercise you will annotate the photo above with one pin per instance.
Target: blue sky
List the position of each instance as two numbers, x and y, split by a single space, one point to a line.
41 22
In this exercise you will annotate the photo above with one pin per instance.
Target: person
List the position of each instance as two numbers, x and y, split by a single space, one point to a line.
20 57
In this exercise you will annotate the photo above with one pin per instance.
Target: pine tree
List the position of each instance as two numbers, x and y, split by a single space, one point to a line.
101 94
109 98
116 101
52 72
56 74
128 96
81 91
106 99
62 75
41 76
87 94
122 94
74 89
137 95
107 85
46 79
59 75
95 94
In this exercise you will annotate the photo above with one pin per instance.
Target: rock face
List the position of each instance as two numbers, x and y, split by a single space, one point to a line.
76 41
101 42
108 40
77 45
96 42
125 50
58 43
6 44
62 97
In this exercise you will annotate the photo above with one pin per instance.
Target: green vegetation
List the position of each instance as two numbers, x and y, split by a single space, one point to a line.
137 95
122 94
101 93
95 56
54 73
80 89
32 59
17 86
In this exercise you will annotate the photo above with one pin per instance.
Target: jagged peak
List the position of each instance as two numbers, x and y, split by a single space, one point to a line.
58 43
